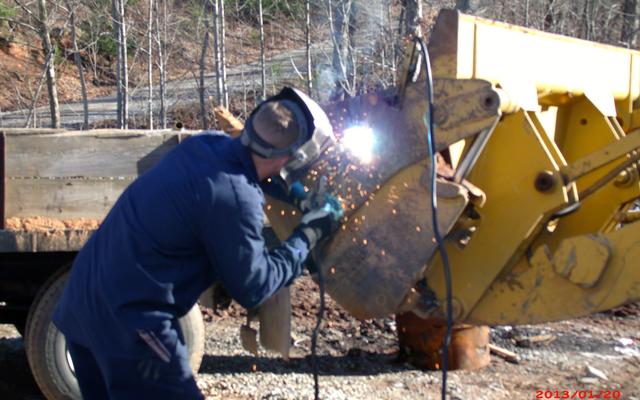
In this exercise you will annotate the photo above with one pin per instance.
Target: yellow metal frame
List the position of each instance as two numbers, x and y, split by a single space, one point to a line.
556 250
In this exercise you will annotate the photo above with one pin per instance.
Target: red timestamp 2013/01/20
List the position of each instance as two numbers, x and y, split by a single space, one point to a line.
578 394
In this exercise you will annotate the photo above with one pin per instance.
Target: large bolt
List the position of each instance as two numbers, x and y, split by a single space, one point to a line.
626 177
545 181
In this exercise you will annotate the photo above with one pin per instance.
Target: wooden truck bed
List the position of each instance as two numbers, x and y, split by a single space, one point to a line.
58 184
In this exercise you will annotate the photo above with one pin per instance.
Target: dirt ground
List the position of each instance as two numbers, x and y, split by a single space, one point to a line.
585 357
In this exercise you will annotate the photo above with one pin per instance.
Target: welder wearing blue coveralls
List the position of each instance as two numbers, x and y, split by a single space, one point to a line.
194 219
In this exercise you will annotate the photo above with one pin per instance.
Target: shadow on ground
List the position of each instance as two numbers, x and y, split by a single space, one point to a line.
354 363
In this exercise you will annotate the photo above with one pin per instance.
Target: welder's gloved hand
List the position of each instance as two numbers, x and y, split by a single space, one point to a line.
300 198
318 224
307 199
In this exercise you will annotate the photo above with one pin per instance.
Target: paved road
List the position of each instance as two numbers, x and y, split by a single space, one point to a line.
239 79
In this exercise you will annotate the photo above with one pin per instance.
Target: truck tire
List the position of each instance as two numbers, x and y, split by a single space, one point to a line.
46 347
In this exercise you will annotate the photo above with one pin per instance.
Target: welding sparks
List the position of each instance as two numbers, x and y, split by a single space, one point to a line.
359 140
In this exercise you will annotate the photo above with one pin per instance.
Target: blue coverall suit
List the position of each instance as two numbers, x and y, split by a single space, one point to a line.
193 219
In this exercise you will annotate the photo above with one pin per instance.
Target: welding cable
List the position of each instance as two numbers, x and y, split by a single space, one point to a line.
314 337
434 215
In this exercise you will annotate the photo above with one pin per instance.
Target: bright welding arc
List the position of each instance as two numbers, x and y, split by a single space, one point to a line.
360 141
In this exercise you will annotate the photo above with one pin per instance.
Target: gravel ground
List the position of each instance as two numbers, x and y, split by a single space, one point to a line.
359 360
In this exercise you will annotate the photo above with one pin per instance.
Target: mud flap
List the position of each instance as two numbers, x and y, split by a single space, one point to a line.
275 323
248 335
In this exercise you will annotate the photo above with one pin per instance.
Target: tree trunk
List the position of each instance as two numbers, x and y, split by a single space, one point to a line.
263 73
587 20
307 36
49 51
78 61
160 42
150 64
413 15
117 36
342 29
223 63
33 115
217 56
549 19
526 12
125 68
203 58
393 52
629 23
352 46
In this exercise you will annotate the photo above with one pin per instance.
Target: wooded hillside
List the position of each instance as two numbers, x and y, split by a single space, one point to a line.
70 50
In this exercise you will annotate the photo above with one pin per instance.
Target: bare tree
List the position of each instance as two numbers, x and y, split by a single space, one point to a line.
161 36
124 66
589 19
263 73
150 63
413 16
78 61
629 28
307 39
118 32
50 70
203 58
343 16
217 52
549 20
223 63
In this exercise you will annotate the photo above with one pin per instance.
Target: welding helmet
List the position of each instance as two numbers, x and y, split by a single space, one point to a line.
315 134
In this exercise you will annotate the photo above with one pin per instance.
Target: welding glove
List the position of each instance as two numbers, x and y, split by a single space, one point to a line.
319 223
310 198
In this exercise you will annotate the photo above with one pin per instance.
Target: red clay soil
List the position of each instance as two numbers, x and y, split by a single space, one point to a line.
43 224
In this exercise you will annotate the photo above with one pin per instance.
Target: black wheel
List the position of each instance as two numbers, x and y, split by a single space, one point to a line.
46 347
